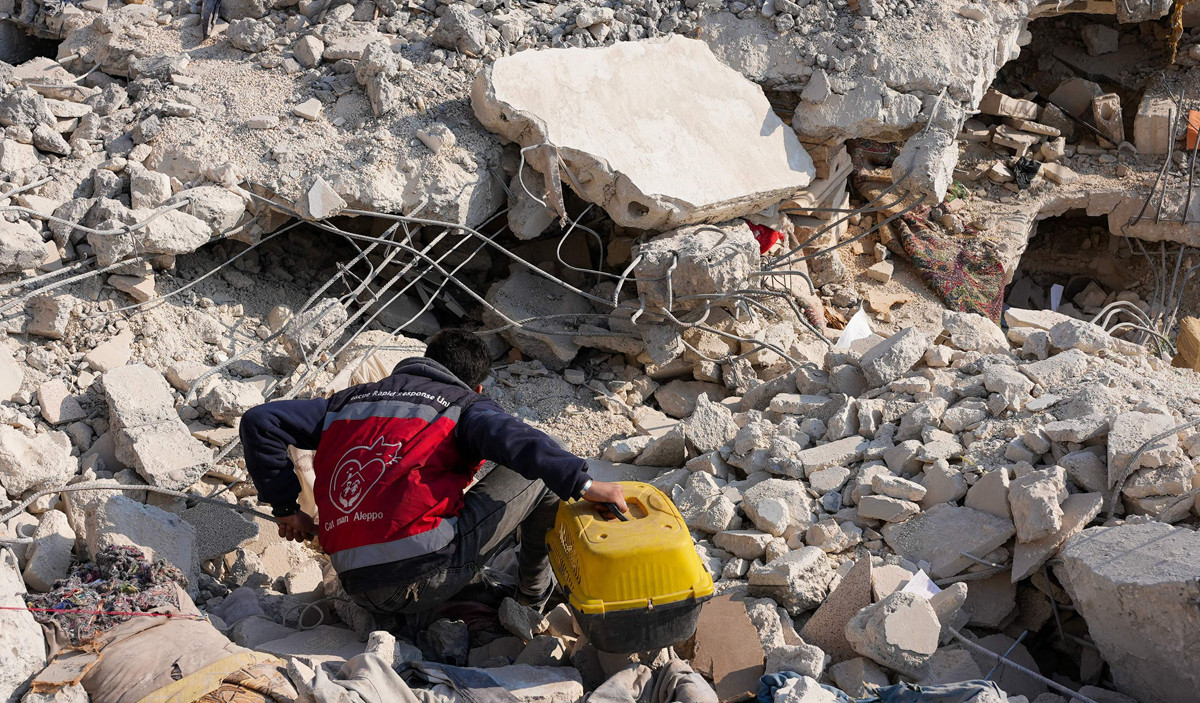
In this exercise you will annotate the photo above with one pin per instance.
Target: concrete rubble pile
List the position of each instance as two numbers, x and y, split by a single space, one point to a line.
886 509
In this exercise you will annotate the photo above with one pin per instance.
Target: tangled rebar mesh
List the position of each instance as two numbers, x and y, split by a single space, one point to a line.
1157 326
425 254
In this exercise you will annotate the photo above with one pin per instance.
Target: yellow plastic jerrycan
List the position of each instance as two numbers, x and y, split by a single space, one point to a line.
634 584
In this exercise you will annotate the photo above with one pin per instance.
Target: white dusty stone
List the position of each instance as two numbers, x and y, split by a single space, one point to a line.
972 332
162 535
900 632
49 557
1078 510
892 358
22 644
33 462
942 533
1135 587
604 109
1129 432
58 405
20 246
12 374
1036 502
798 580
990 493
149 435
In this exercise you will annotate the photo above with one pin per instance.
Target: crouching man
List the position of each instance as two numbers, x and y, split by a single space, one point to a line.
393 463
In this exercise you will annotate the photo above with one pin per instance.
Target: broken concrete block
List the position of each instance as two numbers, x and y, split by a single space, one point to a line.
1000 105
1106 111
678 398
58 405
943 484
881 272
842 452
111 354
971 332
1077 334
644 175
1129 432
858 677
710 426
759 501
21 246
22 644
1057 173
49 556
527 295
798 580
942 533
804 659
1152 124
12 374
1036 501
990 493
900 632
527 217
1078 510
149 435
1058 369
746 544
826 628
894 357
161 535
886 508
34 462
1075 95
703 260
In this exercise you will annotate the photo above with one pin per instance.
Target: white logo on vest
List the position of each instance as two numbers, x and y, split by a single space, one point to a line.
359 469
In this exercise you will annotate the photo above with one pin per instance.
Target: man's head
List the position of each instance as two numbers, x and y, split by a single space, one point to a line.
463 353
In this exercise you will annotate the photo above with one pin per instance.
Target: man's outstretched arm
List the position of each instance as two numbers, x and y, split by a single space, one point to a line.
489 432
267 431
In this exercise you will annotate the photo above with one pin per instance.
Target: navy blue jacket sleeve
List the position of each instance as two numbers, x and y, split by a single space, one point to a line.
486 431
266 432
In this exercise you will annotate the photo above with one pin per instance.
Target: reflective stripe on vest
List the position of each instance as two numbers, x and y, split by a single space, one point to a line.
398 409
416 545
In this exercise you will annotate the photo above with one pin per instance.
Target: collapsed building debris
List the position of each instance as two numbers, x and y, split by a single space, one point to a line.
661 216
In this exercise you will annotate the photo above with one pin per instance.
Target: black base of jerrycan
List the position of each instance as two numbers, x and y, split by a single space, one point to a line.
641 629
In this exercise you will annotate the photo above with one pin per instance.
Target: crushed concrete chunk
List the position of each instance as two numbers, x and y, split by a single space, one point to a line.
149 435
942 533
22 644
1135 587
900 632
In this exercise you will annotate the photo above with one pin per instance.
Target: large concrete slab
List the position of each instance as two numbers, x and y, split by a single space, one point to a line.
1135 585
635 122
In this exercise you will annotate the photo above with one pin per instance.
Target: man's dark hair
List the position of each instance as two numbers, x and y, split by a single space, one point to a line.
463 353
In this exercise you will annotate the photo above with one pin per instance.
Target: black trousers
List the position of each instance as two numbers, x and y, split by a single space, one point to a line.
502 503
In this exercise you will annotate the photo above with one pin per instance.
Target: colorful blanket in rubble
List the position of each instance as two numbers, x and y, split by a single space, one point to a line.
99 595
961 268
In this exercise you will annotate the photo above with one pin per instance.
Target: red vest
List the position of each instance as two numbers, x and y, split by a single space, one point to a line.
389 476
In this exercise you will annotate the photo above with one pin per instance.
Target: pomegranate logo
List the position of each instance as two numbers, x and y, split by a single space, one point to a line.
359 469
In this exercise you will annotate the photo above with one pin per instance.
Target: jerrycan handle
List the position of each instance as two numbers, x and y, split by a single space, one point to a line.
612 508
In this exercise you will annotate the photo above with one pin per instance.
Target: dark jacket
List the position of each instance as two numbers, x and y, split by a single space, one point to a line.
393 459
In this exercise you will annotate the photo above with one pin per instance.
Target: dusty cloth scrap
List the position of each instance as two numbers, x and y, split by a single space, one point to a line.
675 682
120 581
964 270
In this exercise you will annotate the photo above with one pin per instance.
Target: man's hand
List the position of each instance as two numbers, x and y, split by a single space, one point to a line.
297 528
602 492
